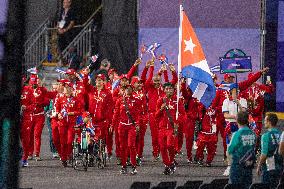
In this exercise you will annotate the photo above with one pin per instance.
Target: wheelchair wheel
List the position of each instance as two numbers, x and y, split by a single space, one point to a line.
102 154
85 161
74 153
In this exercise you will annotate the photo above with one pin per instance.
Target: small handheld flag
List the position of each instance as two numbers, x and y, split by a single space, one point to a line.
33 70
163 59
60 71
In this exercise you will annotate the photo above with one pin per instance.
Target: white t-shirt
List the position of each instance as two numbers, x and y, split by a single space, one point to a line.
231 107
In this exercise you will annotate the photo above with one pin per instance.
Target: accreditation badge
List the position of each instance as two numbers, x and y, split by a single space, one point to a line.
61 24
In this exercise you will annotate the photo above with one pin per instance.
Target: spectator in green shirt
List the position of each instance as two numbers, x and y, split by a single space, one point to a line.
242 142
270 162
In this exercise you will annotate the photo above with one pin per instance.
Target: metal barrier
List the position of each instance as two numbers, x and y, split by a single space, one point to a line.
83 41
36 47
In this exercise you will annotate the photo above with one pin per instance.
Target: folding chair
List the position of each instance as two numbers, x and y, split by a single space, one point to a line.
233 186
194 184
259 186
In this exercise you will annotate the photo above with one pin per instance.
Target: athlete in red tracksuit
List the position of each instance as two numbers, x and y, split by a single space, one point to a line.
68 107
58 129
126 116
40 99
207 137
222 94
117 93
194 113
26 116
168 125
154 90
255 98
100 107
139 93
79 88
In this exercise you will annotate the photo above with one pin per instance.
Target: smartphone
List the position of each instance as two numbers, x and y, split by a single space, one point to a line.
268 78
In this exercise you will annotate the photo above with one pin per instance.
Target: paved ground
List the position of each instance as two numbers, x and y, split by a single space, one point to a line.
50 174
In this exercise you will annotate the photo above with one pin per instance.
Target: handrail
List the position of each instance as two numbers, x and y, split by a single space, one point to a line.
37 30
82 25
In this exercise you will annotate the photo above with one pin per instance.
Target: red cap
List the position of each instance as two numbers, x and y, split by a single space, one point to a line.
70 71
33 80
123 76
250 75
135 79
101 76
227 76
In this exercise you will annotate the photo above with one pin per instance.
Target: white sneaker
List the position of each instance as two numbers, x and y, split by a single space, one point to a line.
194 145
227 171
55 155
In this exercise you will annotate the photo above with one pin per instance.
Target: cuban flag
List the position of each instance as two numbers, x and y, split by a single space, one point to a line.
193 64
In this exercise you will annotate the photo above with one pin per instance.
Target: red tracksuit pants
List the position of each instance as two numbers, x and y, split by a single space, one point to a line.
179 139
167 145
70 123
221 125
37 124
117 142
25 134
59 137
141 136
211 146
109 140
127 139
188 130
154 134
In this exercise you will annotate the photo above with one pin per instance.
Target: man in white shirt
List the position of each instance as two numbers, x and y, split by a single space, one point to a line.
231 106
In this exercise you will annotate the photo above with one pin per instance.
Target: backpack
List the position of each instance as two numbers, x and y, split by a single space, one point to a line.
248 159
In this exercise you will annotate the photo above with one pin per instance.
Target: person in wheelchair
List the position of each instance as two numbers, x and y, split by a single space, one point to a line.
94 138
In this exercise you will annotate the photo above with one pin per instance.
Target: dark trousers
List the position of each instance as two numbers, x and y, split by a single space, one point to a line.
240 175
64 40
271 177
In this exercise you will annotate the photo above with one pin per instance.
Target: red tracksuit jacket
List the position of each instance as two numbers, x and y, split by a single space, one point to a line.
162 117
120 115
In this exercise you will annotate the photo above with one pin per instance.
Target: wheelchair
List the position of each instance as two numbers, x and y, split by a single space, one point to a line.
80 152
100 153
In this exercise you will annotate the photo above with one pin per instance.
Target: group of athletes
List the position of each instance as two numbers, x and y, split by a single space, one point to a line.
123 106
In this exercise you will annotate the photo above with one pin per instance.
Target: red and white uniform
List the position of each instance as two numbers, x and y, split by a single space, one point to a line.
26 119
116 94
126 129
153 96
59 130
143 122
66 105
166 130
255 99
217 103
100 107
207 137
40 98
193 113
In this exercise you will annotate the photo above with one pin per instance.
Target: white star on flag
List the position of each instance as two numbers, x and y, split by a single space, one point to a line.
189 45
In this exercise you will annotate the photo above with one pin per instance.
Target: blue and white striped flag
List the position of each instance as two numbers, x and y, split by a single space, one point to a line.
215 68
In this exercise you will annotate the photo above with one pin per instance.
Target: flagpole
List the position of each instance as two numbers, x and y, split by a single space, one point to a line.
179 56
